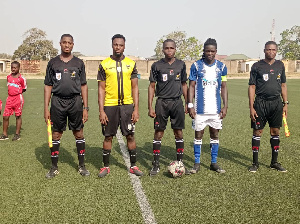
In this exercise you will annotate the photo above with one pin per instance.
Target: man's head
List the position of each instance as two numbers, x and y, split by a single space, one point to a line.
169 48
270 50
118 45
210 49
15 67
66 43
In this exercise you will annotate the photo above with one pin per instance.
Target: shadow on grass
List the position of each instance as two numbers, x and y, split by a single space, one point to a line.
168 154
93 155
43 156
227 154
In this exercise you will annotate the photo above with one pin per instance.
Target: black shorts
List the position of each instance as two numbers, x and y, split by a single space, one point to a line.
118 116
268 111
63 109
166 108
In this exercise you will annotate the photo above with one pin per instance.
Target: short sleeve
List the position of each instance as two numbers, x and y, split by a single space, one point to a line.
224 73
24 83
101 73
193 72
49 74
82 74
153 73
253 74
283 77
183 73
134 72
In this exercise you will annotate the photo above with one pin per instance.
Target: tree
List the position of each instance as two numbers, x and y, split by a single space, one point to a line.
35 46
5 56
186 48
289 46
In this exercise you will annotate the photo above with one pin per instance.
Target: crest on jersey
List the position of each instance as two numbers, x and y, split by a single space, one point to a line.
128 66
278 76
218 70
58 76
73 74
165 77
266 77
171 72
178 76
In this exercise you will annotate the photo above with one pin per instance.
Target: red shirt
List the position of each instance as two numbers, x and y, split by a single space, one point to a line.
16 85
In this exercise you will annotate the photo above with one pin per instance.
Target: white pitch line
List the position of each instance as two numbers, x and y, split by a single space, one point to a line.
136 184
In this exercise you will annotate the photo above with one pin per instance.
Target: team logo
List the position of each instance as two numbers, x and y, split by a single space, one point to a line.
278 76
131 127
266 77
73 74
165 77
272 71
171 72
65 70
128 66
58 76
178 76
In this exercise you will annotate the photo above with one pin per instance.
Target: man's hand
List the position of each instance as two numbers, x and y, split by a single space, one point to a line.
85 116
253 114
223 112
135 116
192 112
46 116
285 109
151 113
103 118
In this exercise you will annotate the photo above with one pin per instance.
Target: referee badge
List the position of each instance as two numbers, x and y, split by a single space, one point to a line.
266 77
165 77
58 76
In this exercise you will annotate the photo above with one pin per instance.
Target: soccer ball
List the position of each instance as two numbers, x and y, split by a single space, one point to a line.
176 169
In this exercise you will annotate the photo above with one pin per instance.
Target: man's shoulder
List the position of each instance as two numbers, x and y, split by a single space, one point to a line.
128 60
279 62
52 60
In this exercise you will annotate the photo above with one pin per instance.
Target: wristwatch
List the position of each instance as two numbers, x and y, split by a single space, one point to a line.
86 108
190 105
285 102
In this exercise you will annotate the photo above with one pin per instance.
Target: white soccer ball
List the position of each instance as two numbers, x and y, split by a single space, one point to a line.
176 169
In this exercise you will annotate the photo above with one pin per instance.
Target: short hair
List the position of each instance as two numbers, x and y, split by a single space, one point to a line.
169 40
16 63
270 42
211 41
117 36
67 35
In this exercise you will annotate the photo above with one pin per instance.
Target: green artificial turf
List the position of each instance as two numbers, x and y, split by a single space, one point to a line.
237 196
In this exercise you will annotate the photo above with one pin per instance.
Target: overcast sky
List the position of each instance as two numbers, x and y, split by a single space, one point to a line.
238 26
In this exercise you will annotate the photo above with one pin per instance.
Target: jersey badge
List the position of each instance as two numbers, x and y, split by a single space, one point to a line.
271 71
171 72
178 76
58 76
165 77
218 70
266 77
73 74
128 66
65 70
278 76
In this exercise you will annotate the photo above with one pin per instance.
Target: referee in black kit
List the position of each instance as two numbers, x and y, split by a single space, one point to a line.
168 81
268 82
65 80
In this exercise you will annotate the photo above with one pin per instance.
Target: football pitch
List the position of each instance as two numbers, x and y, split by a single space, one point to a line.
237 196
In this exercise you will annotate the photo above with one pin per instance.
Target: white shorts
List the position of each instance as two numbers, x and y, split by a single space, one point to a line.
203 120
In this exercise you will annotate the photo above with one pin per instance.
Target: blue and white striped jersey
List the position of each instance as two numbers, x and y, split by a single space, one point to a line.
208 85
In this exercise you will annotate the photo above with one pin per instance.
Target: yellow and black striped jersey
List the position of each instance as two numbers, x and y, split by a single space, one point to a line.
117 76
